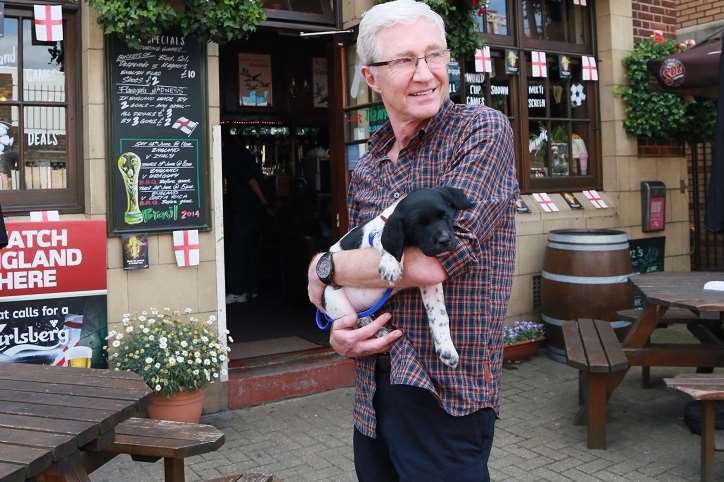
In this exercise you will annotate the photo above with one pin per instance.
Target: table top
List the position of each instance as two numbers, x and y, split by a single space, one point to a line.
47 414
684 290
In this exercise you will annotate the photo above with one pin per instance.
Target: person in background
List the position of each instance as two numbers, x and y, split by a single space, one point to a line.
415 419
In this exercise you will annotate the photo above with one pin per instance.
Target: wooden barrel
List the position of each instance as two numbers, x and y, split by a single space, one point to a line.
585 275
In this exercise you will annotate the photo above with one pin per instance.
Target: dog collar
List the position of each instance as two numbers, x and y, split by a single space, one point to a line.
324 321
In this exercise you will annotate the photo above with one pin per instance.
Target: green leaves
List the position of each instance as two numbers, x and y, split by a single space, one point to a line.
659 115
216 20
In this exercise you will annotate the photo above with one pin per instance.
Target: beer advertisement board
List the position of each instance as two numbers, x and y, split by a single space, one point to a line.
157 132
53 293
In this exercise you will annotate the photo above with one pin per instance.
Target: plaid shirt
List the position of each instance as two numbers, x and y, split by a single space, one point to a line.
470 148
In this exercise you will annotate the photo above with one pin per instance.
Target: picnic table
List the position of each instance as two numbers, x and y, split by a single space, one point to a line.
51 417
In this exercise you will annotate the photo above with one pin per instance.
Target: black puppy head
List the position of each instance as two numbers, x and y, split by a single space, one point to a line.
424 218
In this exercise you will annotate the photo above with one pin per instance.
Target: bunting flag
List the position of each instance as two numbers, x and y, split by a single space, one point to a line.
545 202
483 62
186 246
44 216
48 23
185 125
589 69
540 69
581 3
595 199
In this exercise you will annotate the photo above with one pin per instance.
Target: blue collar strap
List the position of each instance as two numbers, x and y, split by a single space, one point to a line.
324 322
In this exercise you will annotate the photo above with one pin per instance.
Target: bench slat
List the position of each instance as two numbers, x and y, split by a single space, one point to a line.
596 355
574 345
614 351
245 478
12 472
161 438
167 429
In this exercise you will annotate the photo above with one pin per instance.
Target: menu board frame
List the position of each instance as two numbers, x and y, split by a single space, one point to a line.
116 135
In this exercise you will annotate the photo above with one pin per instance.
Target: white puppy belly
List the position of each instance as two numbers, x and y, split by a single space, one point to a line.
363 298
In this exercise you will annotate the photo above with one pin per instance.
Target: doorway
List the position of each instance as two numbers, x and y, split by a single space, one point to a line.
278 203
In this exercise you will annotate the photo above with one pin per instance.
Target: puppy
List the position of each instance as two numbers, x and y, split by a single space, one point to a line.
423 218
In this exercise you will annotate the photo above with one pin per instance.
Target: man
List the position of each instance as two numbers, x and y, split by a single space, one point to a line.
416 419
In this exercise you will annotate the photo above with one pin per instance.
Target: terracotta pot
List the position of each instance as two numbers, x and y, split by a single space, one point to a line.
522 350
180 407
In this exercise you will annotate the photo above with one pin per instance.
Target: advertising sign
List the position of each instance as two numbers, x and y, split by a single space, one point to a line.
53 293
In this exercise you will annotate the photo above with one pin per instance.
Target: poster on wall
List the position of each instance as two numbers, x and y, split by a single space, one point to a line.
53 293
647 256
320 93
157 132
475 88
255 80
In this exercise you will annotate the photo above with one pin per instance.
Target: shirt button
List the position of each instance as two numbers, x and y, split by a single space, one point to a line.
396 195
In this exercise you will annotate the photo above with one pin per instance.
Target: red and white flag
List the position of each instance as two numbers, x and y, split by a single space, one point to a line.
588 66
540 69
186 246
48 23
595 199
185 125
545 202
582 3
483 62
44 216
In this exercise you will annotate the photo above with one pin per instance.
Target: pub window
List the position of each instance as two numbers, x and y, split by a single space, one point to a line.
39 159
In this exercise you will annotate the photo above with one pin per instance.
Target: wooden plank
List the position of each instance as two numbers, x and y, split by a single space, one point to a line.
684 290
75 390
574 345
166 429
76 376
105 418
59 445
140 445
65 400
596 355
83 431
676 355
12 472
614 351
35 459
173 470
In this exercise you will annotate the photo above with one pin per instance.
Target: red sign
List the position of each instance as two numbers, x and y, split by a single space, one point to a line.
53 257
657 210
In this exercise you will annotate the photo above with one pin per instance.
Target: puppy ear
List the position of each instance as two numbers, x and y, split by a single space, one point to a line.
393 236
456 197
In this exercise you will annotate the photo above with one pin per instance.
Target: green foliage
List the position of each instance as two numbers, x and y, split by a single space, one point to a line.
216 20
659 115
462 39
172 353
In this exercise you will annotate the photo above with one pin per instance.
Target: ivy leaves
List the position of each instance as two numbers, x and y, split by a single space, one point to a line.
217 20
660 115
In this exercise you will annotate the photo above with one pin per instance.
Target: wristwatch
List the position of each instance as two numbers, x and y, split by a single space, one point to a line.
325 268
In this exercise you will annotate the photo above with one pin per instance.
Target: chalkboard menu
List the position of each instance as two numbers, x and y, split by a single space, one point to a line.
157 133
647 256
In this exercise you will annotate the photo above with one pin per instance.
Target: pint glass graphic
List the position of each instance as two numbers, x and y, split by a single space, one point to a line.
79 357
130 166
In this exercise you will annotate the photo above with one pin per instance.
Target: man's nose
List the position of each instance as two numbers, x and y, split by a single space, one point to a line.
422 70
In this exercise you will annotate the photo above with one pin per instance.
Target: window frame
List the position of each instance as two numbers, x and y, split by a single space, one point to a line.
70 198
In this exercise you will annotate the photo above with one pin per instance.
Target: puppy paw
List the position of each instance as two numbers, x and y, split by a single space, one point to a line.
364 321
449 356
390 269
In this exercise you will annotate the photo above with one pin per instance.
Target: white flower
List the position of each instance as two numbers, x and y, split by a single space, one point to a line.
195 372
184 343
228 332
198 361
150 338
180 359
197 354
172 361
209 322
126 315
116 343
207 362
205 339
158 388
145 331
141 318
187 310
151 321
185 353
163 340
231 339
144 312
222 357
216 375
193 319
149 360
129 329
166 308
157 365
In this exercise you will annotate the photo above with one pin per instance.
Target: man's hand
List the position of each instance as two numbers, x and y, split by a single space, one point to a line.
350 341
315 288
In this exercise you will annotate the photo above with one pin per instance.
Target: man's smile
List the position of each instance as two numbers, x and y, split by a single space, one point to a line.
421 93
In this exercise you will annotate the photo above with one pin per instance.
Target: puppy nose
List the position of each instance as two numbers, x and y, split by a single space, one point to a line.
443 240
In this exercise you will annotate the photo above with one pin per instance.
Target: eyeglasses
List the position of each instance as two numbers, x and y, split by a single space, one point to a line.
408 65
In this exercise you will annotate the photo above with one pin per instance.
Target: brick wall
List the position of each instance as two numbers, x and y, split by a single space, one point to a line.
697 12
650 15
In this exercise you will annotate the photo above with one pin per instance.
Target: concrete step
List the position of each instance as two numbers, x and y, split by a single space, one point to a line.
254 381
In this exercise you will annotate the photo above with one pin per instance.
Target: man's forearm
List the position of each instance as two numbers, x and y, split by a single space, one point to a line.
359 268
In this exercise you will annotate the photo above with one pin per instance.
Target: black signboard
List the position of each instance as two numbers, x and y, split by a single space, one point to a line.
475 88
157 133
647 256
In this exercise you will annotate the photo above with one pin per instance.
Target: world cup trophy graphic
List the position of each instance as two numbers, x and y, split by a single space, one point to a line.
130 166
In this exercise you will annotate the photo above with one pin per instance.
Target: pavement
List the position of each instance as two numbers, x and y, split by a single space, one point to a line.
310 438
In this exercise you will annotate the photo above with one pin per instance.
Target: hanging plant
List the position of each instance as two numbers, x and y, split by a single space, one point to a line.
217 20
462 39
661 115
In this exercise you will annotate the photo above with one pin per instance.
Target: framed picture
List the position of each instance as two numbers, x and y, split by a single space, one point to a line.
255 80
320 93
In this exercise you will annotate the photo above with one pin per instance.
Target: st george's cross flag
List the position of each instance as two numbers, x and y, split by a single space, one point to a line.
186 247
588 68
44 216
540 68
187 126
483 62
48 23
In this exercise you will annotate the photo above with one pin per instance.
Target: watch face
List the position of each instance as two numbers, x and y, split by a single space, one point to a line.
324 267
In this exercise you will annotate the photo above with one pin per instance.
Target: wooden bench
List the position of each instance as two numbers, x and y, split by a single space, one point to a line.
592 347
148 440
708 388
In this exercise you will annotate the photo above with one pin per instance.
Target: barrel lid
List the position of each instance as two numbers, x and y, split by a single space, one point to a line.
587 236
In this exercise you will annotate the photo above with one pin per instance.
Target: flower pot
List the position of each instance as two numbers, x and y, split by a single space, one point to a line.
180 407
522 350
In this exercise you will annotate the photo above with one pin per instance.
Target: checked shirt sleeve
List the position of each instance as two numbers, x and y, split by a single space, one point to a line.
483 167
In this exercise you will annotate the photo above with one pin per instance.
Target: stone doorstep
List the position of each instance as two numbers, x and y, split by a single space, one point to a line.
271 378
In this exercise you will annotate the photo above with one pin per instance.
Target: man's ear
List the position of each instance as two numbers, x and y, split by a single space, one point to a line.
456 197
393 236
370 78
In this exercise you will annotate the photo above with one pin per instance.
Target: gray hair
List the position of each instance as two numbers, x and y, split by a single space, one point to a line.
386 14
